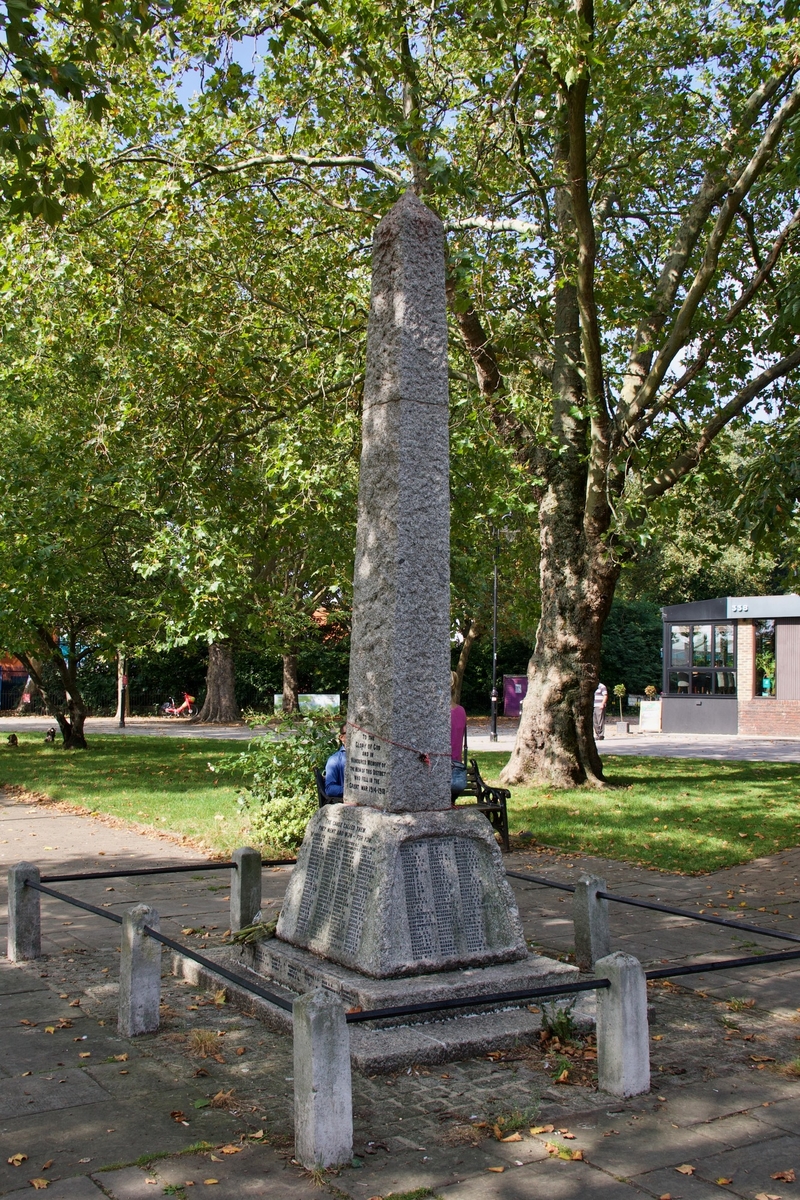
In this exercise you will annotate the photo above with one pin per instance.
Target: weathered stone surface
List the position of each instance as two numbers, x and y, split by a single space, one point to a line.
245 887
24 913
399 706
623 1036
42 1093
323 1094
402 893
298 970
139 973
590 918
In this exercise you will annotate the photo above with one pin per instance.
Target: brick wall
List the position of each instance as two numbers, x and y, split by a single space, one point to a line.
770 717
745 662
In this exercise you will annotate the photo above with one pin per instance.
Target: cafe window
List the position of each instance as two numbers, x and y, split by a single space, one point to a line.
702 660
766 664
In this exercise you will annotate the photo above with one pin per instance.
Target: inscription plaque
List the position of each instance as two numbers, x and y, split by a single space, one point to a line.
367 766
338 879
442 893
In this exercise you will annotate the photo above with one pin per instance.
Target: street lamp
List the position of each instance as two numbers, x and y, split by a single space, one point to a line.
497 533
493 734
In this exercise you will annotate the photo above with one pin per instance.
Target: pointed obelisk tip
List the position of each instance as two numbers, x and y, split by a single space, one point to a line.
409 208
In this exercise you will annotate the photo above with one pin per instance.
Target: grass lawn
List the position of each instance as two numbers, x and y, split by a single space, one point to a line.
161 782
679 814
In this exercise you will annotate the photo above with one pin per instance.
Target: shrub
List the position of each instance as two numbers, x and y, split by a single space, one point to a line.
279 792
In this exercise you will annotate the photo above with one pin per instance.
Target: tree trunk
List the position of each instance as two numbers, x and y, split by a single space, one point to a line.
121 686
291 687
56 679
473 633
555 741
219 706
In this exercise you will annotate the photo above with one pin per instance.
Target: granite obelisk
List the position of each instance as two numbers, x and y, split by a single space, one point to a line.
398 737
395 881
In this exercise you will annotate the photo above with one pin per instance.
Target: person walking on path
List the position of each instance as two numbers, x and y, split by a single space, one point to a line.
600 702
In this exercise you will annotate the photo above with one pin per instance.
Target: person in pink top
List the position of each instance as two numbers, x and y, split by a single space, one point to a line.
458 731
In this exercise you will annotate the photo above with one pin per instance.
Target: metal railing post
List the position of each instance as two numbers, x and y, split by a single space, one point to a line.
24 913
139 973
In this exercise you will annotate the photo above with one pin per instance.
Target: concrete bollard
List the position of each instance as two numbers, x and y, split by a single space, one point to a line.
623 1036
590 918
24 913
323 1098
139 973
245 887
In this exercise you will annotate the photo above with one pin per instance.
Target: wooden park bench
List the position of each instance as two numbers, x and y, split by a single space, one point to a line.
491 801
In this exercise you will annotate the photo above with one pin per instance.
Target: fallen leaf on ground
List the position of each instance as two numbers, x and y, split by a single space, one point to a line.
120 1058
761 1058
784 1176
85 1054
177 1115
542 1129
241 1050
686 1169
24 1073
563 1077
722 1181
202 1103
74 1003
658 1037
210 1181
214 1158
48 1164
665 1196
153 1181
512 1137
497 1170
577 1156
230 1149
767 1196
569 1136
49 1028
39 1183
25 1021
17 1160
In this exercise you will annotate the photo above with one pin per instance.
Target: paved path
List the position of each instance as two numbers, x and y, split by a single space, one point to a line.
84 1114
753 749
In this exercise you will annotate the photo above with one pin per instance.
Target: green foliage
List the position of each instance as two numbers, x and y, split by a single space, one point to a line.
631 651
163 784
684 815
280 793
558 1020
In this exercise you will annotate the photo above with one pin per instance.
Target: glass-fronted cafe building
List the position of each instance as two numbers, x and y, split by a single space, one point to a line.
732 665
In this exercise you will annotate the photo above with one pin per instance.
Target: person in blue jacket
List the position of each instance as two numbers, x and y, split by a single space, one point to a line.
334 767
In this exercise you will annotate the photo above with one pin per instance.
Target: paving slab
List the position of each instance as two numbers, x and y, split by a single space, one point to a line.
751 1168
553 1180
78 1188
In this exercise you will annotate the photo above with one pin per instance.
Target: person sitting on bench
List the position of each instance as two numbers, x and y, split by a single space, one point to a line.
334 767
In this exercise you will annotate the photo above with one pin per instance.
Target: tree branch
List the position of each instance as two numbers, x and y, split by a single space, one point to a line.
713 187
207 170
708 267
684 463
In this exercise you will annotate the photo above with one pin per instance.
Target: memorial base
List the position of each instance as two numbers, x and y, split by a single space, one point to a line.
394 1044
393 894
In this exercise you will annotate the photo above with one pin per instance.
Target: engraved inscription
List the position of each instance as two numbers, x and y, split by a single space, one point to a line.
469 882
414 863
439 852
338 882
367 765
441 879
